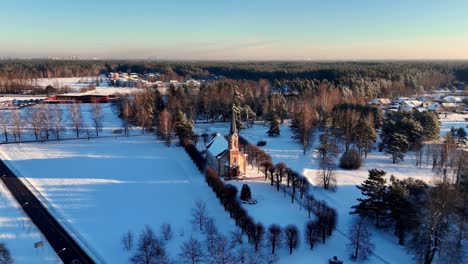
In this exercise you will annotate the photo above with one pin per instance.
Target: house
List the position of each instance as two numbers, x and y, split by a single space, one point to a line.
224 156
435 107
452 99
381 102
409 105
449 106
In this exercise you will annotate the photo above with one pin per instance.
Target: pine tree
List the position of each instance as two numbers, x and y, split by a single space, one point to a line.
396 144
274 127
375 205
365 136
183 126
245 193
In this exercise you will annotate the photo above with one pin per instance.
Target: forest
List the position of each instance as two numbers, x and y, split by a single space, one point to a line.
361 78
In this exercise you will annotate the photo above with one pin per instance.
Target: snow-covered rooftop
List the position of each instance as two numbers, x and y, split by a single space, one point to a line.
218 145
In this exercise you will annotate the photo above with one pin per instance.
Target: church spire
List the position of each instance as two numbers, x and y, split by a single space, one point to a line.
233 121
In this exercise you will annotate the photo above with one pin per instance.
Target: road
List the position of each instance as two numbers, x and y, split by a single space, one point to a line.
63 244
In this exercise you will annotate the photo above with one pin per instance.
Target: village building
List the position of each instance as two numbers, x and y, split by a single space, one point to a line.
224 156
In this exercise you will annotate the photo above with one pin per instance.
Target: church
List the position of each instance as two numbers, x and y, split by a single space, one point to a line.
224 156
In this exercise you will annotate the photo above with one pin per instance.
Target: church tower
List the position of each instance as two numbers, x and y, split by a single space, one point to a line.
237 160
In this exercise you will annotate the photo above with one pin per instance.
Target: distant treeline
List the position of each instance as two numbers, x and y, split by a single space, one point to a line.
380 78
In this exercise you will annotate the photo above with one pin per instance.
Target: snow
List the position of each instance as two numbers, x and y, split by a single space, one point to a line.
102 188
217 145
111 123
272 207
452 120
19 234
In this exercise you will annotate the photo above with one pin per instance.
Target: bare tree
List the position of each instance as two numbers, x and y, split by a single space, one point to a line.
127 241
17 124
211 233
46 120
165 126
312 233
76 117
4 122
236 237
360 244
309 204
326 175
257 235
302 124
437 231
166 231
58 121
274 237
149 249
126 115
199 214
191 251
223 253
254 257
291 235
97 117
34 120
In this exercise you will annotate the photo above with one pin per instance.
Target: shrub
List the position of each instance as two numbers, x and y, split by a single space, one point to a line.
261 143
245 193
350 160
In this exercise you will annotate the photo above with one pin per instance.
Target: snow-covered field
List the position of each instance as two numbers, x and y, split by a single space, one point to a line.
452 120
19 234
104 187
71 82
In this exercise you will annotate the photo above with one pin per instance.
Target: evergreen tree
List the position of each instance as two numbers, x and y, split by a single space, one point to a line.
403 212
183 126
274 127
396 144
245 193
375 204
365 136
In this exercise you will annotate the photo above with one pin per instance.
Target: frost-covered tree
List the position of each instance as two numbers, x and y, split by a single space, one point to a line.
199 214
150 249
360 245
166 231
75 117
127 241
97 117
191 252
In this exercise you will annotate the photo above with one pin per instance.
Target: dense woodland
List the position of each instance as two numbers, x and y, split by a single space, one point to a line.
358 78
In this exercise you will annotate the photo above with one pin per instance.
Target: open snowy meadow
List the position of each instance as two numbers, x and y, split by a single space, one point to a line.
101 188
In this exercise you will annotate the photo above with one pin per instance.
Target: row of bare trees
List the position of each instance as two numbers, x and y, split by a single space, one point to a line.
46 122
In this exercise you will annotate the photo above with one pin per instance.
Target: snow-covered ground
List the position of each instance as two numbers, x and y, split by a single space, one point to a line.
284 149
71 82
19 234
452 120
110 123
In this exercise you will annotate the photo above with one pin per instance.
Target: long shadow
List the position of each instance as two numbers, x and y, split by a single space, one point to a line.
63 244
